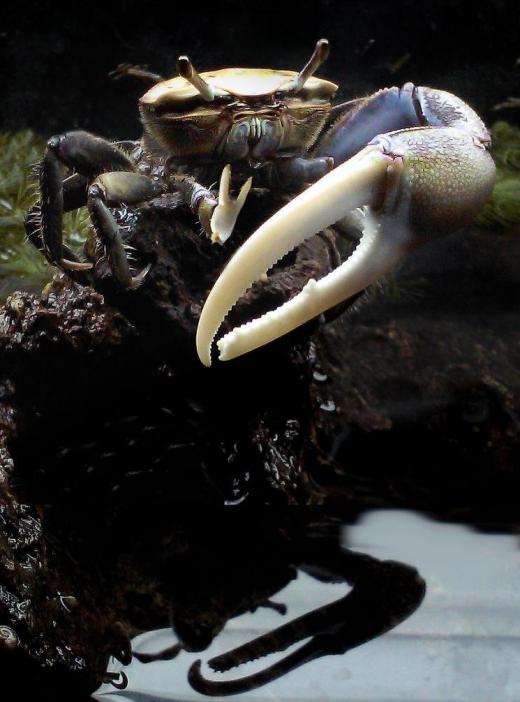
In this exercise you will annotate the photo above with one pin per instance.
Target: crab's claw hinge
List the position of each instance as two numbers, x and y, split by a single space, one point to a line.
413 184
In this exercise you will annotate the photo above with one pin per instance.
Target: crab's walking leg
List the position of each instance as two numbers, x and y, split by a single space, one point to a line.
217 217
73 192
124 70
51 215
89 156
114 188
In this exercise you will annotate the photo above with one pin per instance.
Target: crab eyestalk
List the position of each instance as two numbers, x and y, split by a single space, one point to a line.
319 56
188 71
414 184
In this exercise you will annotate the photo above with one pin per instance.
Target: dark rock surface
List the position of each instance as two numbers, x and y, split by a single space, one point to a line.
117 450
110 426
113 436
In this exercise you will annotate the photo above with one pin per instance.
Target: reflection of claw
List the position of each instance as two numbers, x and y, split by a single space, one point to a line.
414 184
226 212
117 680
384 594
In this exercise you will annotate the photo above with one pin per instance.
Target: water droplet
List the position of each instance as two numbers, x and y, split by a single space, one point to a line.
319 377
328 406
236 501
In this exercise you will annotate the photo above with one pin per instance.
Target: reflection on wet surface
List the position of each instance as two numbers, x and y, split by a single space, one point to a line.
460 645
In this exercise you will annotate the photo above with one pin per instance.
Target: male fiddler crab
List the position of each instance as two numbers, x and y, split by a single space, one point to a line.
407 164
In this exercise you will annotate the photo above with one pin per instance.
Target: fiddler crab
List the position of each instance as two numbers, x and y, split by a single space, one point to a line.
405 165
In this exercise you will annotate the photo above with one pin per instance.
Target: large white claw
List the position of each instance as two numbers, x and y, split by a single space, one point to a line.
414 184
356 183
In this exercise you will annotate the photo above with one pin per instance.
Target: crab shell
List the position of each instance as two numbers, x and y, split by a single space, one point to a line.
181 123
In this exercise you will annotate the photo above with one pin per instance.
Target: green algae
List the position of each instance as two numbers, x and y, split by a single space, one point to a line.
21 265
503 209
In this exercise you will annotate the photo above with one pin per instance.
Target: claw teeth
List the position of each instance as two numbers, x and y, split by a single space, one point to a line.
375 254
353 184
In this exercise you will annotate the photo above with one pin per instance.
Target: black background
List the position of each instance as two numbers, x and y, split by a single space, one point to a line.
55 59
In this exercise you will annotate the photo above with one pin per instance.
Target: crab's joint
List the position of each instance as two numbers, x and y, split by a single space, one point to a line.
88 154
409 192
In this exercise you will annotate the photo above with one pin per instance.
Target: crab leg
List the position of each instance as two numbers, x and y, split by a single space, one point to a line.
89 156
112 188
414 183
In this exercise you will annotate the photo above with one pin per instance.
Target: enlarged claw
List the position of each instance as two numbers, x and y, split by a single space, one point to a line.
226 212
415 184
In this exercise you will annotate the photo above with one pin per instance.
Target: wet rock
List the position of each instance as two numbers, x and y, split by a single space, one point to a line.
109 424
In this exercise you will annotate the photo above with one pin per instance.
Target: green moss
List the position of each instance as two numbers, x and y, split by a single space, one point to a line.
503 209
21 265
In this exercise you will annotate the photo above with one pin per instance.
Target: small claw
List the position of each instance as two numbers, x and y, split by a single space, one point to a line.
137 280
226 212
352 184
414 184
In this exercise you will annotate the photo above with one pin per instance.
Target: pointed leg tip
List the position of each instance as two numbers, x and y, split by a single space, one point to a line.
139 279
75 265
